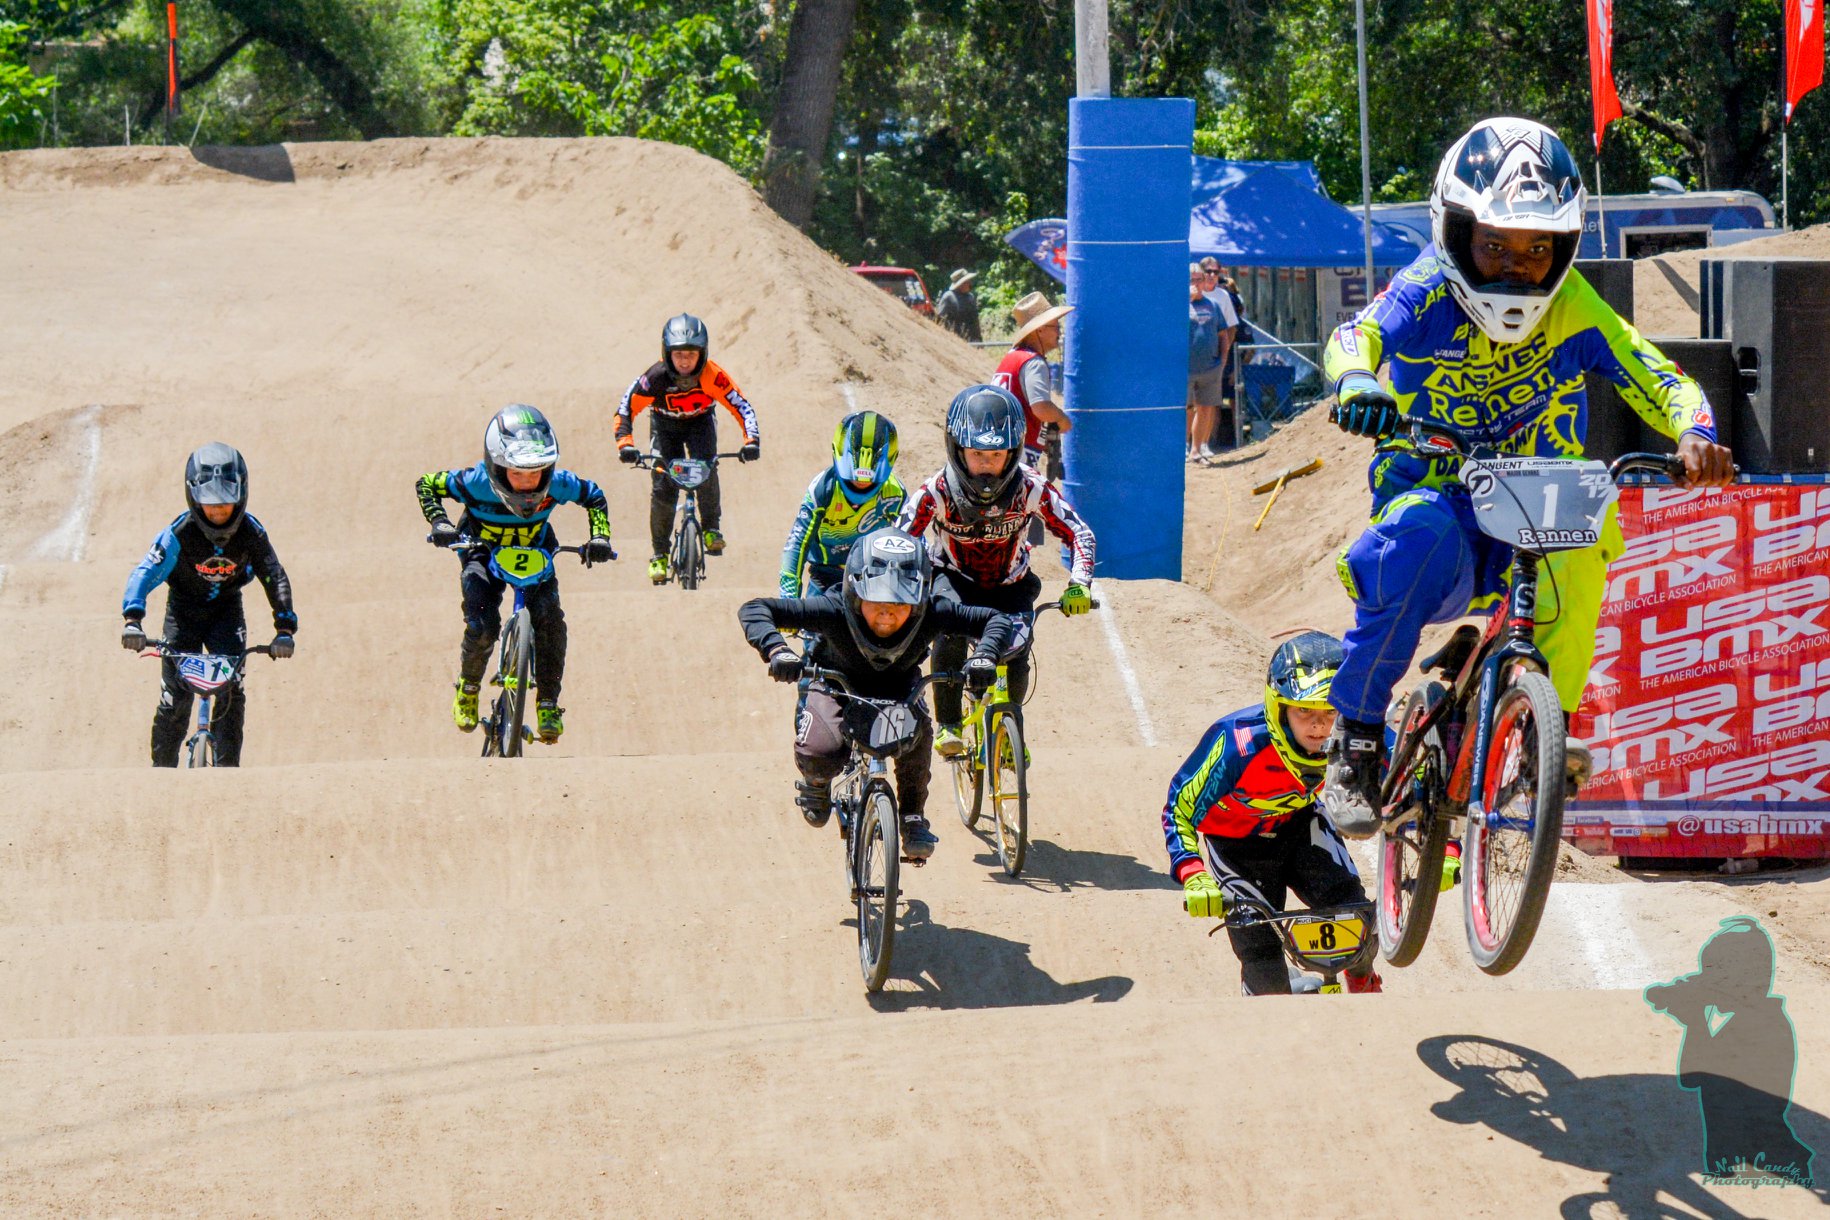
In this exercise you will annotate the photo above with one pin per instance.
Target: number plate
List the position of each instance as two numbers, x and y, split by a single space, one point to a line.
689 472
523 563
1327 940
1540 504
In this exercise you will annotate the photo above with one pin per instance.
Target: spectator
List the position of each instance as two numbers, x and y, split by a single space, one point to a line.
1206 328
1024 371
1232 311
958 309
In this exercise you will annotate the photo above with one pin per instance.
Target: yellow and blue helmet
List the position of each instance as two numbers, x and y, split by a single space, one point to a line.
863 453
1301 675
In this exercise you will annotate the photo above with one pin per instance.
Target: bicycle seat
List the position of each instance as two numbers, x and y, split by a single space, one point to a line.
1454 654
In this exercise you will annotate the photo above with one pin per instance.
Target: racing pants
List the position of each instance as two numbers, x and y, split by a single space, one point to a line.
224 632
483 591
696 437
820 752
1304 855
1017 598
1423 560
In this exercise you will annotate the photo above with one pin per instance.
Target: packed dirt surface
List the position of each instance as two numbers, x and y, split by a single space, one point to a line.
369 974
1665 288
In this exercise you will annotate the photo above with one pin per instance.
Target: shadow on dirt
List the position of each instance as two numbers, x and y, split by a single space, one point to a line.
1049 866
264 162
1641 1130
965 968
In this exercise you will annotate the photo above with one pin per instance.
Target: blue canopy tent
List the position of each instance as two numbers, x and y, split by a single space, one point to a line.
1252 214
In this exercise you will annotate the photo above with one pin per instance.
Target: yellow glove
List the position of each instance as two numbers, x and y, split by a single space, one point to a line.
1202 896
1077 600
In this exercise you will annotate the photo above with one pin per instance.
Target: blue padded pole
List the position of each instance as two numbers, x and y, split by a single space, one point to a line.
1129 199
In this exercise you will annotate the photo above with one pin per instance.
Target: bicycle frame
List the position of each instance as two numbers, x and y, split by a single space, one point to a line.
204 733
687 523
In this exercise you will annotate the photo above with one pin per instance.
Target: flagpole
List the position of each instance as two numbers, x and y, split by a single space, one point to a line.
1785 176
1359 17
1601 215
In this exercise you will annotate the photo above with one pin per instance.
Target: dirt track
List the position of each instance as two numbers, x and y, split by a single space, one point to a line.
370 974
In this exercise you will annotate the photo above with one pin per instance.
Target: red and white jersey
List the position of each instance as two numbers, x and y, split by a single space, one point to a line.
994 550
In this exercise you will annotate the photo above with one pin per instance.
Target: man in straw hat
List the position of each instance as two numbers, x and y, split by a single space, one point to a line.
958 309
1024 370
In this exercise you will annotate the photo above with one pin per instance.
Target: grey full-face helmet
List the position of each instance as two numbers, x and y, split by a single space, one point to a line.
216 474
887 565
519 438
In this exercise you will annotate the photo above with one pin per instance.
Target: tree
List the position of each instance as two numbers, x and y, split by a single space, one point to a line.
817 38
22 91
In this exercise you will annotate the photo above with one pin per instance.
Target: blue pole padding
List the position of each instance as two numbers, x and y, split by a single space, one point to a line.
1129 199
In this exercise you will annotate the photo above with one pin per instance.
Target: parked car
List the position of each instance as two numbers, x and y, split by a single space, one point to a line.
903 284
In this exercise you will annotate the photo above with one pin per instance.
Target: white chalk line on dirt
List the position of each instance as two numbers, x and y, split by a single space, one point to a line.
1600 924
851 404
67 540
1116 643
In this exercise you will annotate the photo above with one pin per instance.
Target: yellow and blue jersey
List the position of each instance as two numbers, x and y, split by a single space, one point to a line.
828 523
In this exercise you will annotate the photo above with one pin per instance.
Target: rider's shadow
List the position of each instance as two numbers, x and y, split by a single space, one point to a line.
963 968
1050 866
1641 1130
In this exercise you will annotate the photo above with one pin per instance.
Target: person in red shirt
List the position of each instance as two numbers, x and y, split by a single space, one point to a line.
684 389
1024 371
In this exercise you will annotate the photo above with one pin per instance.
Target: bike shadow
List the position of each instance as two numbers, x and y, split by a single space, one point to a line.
965 968
1048 865
1640 1130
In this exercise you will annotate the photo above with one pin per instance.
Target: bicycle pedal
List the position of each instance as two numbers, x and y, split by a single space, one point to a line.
917 861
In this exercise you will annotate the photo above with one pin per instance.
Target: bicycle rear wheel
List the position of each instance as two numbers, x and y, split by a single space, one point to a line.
969 776
878 853
1009 783
1509 853
1410 857
689 555
511 707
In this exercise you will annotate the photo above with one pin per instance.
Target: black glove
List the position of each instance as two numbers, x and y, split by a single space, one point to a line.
628 455
750 452
599 550
981 672
133 636
443 533
1364 407
281 648
785 665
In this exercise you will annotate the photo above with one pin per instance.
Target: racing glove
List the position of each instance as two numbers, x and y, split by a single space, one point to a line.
628 455
981 672
1077 600
785 665
443 533
599 550
133 636
750 452
1364 407
281 648
1202 896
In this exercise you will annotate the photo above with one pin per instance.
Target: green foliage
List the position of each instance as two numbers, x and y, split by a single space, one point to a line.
602 67
23 93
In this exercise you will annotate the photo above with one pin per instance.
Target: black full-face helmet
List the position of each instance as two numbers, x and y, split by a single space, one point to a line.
887 565
216 474
983 417
519 438
684 332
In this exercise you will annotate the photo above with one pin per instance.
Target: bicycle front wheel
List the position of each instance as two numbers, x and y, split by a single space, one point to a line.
878 853
202 752
1509 852
968 776
1008 775
689 555
511 707
1410 855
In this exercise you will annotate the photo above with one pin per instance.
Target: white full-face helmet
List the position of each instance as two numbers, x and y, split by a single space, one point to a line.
1511 174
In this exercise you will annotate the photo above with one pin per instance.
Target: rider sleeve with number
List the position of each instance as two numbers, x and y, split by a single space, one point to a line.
150 573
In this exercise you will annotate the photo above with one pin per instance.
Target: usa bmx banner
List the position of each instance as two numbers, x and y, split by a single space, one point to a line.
1708 705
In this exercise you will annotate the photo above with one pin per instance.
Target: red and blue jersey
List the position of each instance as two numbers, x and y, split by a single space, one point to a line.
1235 785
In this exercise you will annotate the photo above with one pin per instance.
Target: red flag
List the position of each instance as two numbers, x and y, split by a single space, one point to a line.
1804 50
171 59
1601 65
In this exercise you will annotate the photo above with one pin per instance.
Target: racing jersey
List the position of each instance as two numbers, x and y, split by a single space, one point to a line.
672 398
1520 398
828 523
1026 375
206 578
1235 785
488 520
994 549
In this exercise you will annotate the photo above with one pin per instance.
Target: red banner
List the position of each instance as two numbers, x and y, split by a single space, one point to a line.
1804 50
171 60
1708 707
1601 65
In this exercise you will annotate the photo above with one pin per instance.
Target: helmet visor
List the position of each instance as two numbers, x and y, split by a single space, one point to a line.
897 583
216 485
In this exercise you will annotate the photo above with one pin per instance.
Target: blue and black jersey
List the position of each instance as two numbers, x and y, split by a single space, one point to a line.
489 521
205 580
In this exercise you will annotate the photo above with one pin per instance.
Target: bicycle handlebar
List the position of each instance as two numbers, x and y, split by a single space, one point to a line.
837 683
465 541
161 648
1668 464
1432 435
648 461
